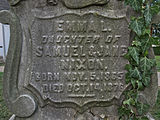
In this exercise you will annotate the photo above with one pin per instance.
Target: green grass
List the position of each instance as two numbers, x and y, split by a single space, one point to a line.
2 64
4 113
156 110
158 62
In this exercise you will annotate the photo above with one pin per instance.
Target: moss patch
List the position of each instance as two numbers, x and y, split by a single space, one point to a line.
158 62
4 113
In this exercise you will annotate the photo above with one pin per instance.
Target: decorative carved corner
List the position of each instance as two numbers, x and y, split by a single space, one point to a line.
24 106
20 105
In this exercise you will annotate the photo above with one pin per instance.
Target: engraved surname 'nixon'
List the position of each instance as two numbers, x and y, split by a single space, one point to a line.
81 26
83 64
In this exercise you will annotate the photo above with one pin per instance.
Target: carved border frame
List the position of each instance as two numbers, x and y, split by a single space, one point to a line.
22 105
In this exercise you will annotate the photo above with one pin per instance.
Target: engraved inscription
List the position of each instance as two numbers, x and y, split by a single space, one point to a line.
79 57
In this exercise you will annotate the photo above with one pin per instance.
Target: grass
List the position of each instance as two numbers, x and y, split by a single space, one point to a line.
156 110
158 63
4 113
2 64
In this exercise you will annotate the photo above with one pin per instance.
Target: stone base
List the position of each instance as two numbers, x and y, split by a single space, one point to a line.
51 113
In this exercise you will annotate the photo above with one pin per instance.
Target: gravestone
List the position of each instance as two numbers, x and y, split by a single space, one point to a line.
66 59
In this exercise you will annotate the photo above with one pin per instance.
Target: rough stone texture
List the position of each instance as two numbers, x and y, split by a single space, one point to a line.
83 3
4 5
65 59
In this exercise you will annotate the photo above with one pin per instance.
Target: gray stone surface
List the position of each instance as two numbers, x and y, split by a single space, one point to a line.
4 5
65 59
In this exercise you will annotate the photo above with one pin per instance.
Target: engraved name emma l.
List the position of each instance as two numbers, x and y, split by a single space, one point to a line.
81 26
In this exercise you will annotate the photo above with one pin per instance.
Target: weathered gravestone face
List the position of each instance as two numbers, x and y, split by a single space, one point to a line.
66 59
